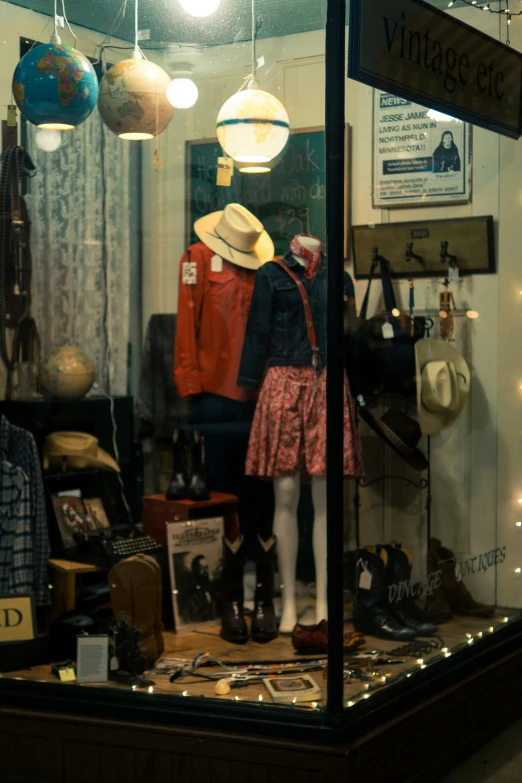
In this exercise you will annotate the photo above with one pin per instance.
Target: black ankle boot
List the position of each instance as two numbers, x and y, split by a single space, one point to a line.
264 625
178 487
405 610
198 489
371 611
233 625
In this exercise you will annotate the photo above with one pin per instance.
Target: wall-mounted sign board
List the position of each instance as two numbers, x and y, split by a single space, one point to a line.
17 620
288 200
418 52
469 240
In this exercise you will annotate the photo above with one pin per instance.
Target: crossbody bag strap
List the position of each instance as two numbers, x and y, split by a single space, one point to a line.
312 337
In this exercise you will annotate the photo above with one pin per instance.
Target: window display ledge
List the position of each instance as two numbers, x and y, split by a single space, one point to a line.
46 736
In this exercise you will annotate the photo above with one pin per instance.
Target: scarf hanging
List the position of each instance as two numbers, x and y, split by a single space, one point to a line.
313 258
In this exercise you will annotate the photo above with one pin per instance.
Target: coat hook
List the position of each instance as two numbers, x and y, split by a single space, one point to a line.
445 256
410 254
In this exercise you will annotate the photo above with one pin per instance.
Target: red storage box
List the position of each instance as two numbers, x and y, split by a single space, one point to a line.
158 512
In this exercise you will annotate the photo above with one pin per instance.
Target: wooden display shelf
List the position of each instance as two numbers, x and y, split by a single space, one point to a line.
63 579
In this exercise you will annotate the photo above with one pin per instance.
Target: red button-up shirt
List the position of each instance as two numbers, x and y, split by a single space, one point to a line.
211 325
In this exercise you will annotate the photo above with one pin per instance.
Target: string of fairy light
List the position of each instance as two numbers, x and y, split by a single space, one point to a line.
503 9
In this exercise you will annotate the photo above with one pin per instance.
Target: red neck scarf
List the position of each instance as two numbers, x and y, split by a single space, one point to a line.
314 259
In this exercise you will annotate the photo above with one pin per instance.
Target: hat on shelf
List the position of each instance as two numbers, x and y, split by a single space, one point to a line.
400 432
443 381
236 235
81 450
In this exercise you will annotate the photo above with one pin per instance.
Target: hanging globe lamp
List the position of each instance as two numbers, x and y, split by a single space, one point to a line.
133 99
55 86
253 128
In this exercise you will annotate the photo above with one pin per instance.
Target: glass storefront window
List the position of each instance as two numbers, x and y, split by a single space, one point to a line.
259 379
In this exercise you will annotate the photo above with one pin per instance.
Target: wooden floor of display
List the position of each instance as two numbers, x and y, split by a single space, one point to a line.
187 645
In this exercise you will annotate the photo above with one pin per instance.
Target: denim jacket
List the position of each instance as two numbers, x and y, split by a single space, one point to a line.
276 329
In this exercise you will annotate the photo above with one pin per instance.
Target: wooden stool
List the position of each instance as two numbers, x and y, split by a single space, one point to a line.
63 578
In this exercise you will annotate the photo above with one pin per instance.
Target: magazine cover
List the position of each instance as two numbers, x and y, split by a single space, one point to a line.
195 559
72 518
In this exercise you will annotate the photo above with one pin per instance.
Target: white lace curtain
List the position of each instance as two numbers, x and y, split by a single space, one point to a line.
80 239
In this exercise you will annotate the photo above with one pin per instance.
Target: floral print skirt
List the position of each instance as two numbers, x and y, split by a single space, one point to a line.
288 434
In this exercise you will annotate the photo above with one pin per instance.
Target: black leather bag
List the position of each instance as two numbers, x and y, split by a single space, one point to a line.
377 364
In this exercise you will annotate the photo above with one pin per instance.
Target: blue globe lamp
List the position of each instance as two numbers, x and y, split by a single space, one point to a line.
55 86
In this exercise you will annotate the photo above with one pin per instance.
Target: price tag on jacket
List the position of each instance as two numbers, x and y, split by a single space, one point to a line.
216 264
225 170
387 331
189 273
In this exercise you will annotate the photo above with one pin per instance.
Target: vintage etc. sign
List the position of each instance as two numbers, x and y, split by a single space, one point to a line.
411 49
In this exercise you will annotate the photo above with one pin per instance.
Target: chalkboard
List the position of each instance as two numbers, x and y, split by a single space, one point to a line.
288 200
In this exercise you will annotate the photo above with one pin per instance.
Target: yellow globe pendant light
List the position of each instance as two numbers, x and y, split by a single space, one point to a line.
133 96
253 126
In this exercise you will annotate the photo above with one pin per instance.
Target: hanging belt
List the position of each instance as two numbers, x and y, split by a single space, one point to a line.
312 337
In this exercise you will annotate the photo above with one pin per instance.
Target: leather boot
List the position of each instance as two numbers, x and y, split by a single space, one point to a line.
398 570
455 595
233 625
264 625
178 487
135 584
371 611
198 489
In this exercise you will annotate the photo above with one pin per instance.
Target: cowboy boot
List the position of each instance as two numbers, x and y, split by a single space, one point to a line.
134 591
371 611
233 625
405 610
264 625
411 605
178 489
452 593
198 489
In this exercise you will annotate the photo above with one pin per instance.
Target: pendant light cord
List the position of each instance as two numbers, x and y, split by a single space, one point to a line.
254 63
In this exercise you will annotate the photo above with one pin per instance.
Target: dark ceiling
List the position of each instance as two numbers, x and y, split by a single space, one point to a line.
169 23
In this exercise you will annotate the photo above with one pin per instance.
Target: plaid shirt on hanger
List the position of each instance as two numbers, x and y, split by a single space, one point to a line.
16 541
18 447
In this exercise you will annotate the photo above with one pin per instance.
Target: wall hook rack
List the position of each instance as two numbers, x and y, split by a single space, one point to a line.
410 254
446 257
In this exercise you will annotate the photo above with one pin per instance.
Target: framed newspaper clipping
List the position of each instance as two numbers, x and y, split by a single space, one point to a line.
195 562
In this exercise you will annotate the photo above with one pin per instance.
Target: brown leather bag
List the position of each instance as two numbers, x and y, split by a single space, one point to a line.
135 586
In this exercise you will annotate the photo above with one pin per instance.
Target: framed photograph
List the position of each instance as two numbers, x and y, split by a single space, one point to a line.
17 618
72 518
421 157
195 562
96 513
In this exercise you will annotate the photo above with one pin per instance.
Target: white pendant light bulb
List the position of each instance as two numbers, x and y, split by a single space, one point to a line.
200 7
182 93
253 125
48 140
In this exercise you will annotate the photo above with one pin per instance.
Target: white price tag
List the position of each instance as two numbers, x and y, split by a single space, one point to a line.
189 273
387 331
365 579
216 264
453 274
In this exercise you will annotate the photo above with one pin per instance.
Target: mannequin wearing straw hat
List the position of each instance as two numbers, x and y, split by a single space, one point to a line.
287 330
216 282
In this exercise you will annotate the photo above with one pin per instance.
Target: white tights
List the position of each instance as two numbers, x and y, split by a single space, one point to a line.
287 490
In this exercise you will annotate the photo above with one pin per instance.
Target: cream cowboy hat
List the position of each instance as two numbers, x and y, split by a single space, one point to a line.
82 451
443 381
236 235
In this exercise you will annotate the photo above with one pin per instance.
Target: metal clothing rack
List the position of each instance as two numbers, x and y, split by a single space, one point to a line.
422 484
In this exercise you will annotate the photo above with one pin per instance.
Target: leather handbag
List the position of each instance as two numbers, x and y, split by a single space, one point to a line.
135 585
380 355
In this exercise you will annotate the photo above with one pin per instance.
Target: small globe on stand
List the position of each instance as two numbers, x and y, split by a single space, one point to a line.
133 99
55 87
67 373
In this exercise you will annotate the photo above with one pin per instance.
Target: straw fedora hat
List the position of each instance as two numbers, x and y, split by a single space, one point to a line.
236 235
443 381
82 451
